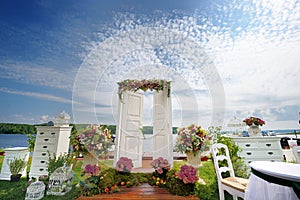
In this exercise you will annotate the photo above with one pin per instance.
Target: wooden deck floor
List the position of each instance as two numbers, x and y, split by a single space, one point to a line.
144 191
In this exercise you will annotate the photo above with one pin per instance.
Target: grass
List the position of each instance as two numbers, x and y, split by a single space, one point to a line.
1 161
17 190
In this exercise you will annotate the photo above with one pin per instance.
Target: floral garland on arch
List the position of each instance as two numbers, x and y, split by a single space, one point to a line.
135 85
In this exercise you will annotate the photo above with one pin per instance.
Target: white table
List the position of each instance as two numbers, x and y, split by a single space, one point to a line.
272 181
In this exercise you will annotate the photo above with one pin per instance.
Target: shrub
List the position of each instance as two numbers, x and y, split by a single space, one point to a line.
17 165
177 186
239 166
56 162
161 167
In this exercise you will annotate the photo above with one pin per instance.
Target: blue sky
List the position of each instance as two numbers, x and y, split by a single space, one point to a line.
224 58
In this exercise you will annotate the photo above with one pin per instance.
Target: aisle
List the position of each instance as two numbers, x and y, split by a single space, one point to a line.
143 191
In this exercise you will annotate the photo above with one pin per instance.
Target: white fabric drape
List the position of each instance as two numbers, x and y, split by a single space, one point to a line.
259 189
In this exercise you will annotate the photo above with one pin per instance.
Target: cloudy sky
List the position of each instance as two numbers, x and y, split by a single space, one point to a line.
225 58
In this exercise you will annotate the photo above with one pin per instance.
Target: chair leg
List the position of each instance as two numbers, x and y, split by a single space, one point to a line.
221 194
234 197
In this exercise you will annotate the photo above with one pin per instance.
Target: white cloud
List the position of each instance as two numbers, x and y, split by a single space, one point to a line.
48 97
38 75
44 118
255 55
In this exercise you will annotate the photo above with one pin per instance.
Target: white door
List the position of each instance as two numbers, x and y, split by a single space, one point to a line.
128 134
162 126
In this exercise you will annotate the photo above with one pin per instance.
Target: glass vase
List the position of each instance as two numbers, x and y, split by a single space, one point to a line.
254 130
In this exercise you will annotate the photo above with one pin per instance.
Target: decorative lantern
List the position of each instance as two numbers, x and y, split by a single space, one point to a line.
35 191
60 181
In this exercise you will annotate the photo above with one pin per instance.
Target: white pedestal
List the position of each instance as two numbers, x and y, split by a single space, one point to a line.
11 154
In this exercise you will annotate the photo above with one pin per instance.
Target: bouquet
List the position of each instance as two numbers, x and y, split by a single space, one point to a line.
191 138
160 164
254 120
92 170
188 174
97 140
124 164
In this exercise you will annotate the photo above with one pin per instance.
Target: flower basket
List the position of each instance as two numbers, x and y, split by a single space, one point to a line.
194 159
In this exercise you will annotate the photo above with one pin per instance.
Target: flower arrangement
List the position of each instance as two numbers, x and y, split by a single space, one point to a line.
188 174
192 138
254 120
92 170
161 167
160 164
135 85
124 164
77 147
97 140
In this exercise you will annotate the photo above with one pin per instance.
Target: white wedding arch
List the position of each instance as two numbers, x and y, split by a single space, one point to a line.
129 126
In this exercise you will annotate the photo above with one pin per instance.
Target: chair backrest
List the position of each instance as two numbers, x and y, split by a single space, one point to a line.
220 153
296 151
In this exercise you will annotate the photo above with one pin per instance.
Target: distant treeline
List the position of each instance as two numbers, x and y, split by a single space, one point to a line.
10 128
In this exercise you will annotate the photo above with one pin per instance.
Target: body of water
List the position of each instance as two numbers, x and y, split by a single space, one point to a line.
20 140
13 140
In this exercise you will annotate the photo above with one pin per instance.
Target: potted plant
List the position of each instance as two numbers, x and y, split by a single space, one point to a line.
16 166
254 123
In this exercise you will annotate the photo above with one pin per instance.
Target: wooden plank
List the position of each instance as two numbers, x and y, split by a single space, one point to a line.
143 191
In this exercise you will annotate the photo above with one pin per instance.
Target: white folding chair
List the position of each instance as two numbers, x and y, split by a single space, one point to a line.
296 151
233 185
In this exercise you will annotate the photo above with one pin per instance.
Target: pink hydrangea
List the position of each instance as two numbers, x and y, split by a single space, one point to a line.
93 170
124 164
159 164
188 174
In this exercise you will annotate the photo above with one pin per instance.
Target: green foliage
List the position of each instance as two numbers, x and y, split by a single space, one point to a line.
1 161
75 142
239 166
31 141
17 165
9 128
56 162
176 186
208 191
159 179
109 180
